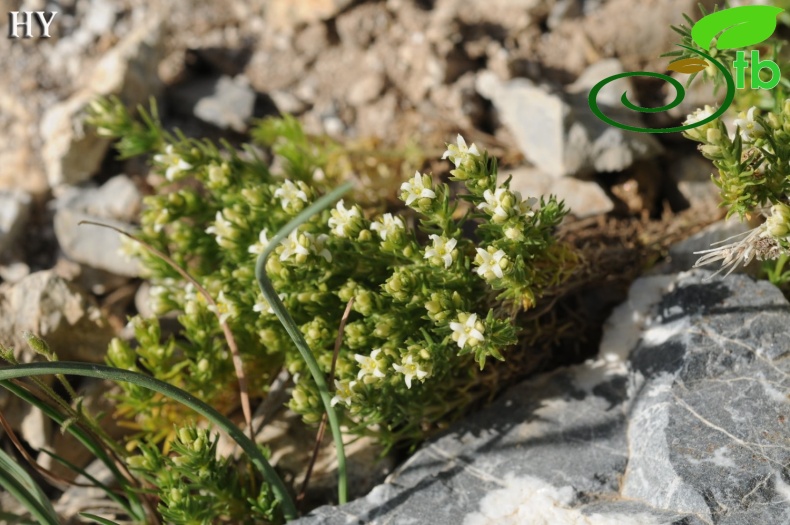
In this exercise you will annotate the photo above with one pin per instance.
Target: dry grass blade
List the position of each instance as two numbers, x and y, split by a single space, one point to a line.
234 349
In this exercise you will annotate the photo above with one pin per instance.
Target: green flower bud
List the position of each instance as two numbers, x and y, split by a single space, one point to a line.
356 335
365 236
711 151
186 435
138 462
38 345
385 326
120 355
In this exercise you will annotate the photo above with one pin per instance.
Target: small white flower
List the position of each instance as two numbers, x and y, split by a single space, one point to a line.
225 309
318 245
525 206
289 194
490 265
158 298
263 242
442 248
749 127
388 225
699 115
410 369
416 188
502 203
467 329
292 246
263 306
342 219
222 227
161 220
175 164
344 392
459 152
369 365
493 204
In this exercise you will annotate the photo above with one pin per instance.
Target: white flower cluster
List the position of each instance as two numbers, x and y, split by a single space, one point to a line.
459 154
418 187
442 250
344 392
292 197
172 162
263 242
467 330
410 370
749 127
746 124
222 228
344 222
300 245
369 366
387 226
503 203
491 263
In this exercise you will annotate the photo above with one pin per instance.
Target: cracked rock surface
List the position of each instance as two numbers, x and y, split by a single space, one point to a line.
682 419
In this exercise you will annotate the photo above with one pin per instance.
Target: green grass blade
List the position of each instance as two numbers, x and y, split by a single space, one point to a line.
84 438
97 519
19 484
98 484
185 398
9 518
296 335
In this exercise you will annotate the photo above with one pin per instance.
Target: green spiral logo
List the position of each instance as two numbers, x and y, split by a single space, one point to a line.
732 28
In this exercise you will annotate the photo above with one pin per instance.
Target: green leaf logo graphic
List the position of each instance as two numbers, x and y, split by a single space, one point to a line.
742 26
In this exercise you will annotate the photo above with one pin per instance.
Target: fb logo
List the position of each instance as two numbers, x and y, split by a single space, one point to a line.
735 27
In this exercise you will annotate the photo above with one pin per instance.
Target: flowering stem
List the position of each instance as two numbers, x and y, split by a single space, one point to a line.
115 374
285 318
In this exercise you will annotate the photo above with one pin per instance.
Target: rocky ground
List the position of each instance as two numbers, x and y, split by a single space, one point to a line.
510 75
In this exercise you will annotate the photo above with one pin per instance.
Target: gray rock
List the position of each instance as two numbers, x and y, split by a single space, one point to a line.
558 133
92 245
682 418
91 499
366 90
14 213
118 198
692 175
47 305
564 10
287 102
582 197
230 105
71 151
287 15
14 271
115 203
20 164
